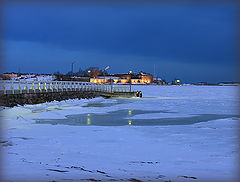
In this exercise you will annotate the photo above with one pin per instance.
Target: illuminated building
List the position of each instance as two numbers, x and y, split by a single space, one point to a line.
176 82
141 78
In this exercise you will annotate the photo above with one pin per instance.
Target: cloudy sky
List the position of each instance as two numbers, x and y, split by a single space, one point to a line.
192 42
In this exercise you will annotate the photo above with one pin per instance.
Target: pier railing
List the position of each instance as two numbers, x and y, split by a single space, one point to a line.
19 87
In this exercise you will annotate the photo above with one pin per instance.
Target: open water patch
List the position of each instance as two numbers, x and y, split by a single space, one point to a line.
123 117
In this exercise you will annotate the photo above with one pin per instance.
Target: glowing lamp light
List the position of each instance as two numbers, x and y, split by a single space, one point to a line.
88 121
130 112
129 122
88 114
89 71
130 71
178 81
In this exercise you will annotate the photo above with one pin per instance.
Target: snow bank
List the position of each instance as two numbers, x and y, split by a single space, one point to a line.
33 77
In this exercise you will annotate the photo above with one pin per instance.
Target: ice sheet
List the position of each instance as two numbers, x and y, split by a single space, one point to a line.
197 152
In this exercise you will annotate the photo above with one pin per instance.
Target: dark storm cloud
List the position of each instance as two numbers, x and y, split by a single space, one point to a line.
194 42
203 32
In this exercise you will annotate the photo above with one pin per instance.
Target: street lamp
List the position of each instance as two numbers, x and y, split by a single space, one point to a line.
72 66
104 73
89 72
130 72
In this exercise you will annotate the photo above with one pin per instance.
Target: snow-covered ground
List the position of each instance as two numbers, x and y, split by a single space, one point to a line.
33 77
177 133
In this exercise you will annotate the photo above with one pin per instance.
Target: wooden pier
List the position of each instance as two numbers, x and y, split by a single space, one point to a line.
33 92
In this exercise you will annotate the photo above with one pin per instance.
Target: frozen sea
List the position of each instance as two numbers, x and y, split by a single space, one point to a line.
173 133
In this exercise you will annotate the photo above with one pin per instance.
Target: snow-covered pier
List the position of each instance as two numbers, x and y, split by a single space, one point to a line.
34 92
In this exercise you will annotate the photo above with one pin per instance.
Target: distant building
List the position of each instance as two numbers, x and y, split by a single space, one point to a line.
176 82
69 77
146 78
159 81
108 79
8 76
202 83
141 78
229 83
93 72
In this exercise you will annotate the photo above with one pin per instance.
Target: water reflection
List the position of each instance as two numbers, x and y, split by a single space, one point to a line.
130 112
124 117
88 121
129 122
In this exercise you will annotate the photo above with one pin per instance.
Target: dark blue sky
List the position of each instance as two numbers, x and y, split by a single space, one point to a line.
193 42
